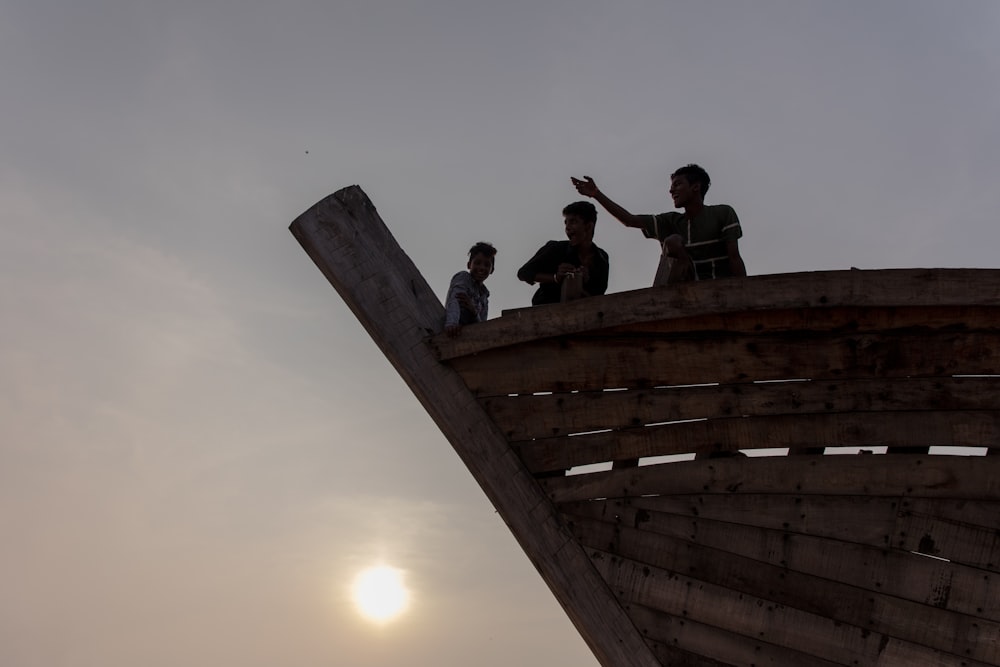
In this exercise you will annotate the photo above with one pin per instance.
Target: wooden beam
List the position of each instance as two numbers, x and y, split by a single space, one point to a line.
774 604
526 416
348 241
862 429
985 514
671 655
841 319
596 362
742 650
833 517
681 633
889 571
959 542
958 477
886 288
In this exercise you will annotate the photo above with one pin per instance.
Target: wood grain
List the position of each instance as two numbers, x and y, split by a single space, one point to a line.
526 416
882 290
771 603
598 362
871 429
955 477
878 568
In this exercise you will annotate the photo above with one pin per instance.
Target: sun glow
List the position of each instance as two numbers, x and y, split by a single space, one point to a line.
379 593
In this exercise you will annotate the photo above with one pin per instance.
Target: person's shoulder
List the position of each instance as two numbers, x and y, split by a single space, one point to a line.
461 277
601 252
551 246
721 209
669 216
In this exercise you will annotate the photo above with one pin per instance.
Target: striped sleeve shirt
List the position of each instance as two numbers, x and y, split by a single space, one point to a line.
705 237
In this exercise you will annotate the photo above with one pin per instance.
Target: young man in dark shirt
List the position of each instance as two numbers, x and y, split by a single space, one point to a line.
699 244
569 269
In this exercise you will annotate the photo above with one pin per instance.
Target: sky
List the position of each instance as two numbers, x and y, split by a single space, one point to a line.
200 447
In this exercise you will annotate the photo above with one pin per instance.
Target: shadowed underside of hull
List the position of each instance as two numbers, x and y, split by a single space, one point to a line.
682 464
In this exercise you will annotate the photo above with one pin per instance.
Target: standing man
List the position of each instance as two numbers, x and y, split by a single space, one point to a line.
702 243
570 269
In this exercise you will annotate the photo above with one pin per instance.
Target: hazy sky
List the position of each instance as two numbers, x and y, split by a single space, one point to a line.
200 445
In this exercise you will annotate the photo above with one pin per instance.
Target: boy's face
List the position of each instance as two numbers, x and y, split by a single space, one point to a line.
683 192
578 230
480 266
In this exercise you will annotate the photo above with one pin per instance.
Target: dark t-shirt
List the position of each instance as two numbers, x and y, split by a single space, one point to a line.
547 261
704 238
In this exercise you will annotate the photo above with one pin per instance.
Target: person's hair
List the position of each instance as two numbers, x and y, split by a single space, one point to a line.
694 174
484 248
582 209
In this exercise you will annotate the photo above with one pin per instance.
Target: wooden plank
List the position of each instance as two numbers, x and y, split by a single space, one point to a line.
596 362
971 545
862 519
864 429
670 655
845 319
348 241
961 512
879 569
744 651
775 604
671 635
887 288
958 477
898 653
526 416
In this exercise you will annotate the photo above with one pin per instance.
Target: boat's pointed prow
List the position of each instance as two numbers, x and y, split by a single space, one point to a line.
348 241
620 437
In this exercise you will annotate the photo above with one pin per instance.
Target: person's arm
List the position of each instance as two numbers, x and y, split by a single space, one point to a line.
543 267
736 263
597 279
588 188
452 305
731 233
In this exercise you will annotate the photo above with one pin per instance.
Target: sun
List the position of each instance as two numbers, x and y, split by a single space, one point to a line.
379 593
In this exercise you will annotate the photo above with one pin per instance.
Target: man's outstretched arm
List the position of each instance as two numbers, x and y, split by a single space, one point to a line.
588 188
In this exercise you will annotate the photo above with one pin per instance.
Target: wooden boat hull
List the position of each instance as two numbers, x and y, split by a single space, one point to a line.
613 433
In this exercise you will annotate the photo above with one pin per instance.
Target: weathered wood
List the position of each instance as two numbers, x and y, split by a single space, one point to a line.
898 653
866 429
883 289
958 477
773 603
888 571
806 560
839 319
596 362
349 242
727 616
742 651
867 519
861 519
983 514
524 417
958 542
671 655
680 633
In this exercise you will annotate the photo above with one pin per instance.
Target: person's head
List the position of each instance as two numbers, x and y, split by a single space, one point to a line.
482 258
688 185
580 217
